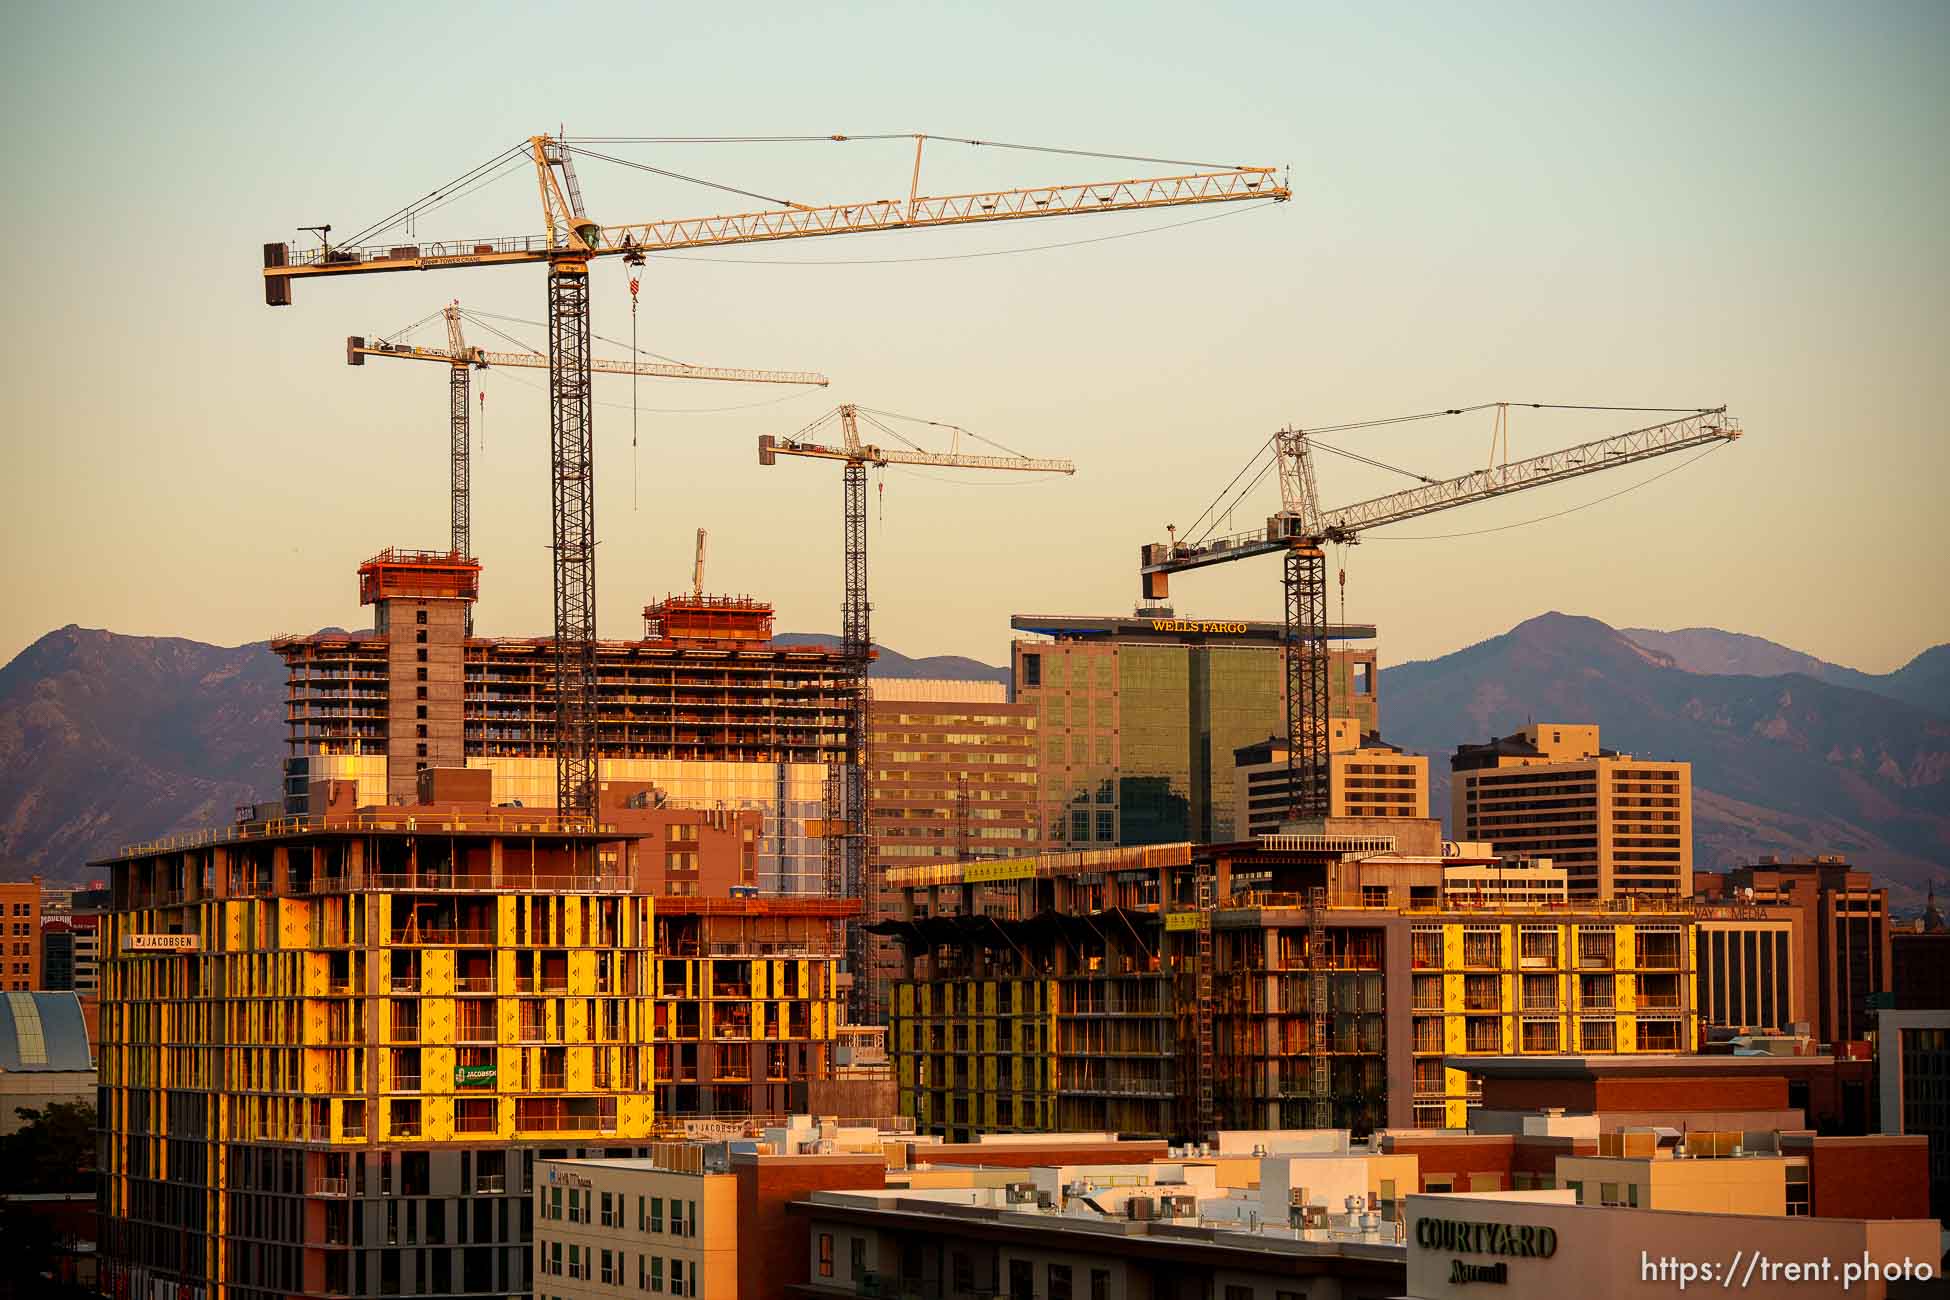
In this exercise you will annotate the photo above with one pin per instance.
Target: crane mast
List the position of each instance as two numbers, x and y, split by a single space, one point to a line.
846 873
571 239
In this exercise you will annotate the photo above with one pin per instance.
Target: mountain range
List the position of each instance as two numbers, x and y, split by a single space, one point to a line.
108 739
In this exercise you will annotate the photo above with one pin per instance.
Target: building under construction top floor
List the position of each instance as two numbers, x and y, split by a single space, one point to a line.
706 705
1317 979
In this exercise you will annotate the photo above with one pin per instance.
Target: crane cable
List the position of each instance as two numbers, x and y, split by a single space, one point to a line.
635 360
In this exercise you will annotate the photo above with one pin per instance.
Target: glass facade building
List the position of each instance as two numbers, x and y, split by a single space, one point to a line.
1138 720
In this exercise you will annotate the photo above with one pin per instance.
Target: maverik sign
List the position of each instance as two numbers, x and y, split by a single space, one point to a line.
1519 1241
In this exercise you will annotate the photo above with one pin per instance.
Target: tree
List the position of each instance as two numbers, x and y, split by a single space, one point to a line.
54 1150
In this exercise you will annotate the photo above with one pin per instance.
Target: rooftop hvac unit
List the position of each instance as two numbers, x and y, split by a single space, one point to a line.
1307 1216
1045 1201
1021 1193
1181 1207
1140 1207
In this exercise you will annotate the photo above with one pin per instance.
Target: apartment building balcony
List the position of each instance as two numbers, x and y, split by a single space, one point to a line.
406 1083
329 1187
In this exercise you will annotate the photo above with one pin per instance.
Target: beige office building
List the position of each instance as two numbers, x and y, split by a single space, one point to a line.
1617 825
1367 777
662 1226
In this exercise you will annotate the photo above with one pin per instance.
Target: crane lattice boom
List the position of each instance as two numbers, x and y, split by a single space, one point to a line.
482 359
921 213
1348 522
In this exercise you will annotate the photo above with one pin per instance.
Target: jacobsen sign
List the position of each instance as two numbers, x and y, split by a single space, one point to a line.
160 943
1517 1241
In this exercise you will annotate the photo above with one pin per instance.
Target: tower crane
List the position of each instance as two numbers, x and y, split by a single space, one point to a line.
1299 531
571 239
846 874
461 359
1302 528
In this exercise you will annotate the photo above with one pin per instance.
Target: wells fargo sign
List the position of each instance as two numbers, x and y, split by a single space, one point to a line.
1189 625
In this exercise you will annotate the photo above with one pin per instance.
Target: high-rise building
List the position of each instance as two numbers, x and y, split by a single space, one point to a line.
953 779
1131 989
1366 777
706 706
20 934
1913 1071
1751 973
1139 719
1841 928
332 1046
1618 826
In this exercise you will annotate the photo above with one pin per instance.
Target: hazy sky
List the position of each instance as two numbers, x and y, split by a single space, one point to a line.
1637 204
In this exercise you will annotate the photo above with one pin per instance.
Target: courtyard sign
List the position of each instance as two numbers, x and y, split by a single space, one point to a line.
1515 1240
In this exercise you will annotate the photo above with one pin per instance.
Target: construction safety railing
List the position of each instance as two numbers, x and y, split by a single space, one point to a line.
504 821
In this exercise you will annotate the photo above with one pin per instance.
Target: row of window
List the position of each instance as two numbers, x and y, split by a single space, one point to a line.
581 1205
654 1274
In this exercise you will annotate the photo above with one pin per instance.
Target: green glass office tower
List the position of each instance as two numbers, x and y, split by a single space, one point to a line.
1139 717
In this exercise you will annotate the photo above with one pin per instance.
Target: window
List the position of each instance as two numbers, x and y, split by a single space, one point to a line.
1598 1036
575 1260
1540 1035
1099 1284
1428 992
420 616
678 1286
1022 1280
555 1258
554 1203
1426 948
657 1273
1059 1282
1482 948
1539 948
641 1213
856 1257
1576 1188
608 1274
1798 1201
1594 946
1608 1194
1540 992
1386 1200
656 1214
1235 1292
962 1271
1032 670
1439 1183
825 1254
610 1217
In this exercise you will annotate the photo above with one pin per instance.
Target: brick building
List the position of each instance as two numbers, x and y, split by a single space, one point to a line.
705 706
20 934
1842 924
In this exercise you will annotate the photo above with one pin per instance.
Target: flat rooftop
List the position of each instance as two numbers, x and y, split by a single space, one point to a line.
1172 631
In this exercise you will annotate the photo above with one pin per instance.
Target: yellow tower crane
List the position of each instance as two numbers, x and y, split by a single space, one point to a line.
846 869
461 359
571 239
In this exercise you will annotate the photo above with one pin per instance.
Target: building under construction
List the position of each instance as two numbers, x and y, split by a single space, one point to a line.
705 705
333 1044
1293 980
